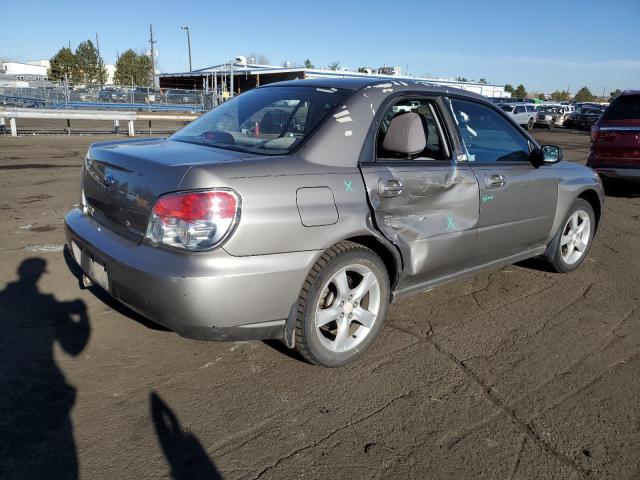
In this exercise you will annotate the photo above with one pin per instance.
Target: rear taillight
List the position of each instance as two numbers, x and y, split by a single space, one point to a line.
194 221
603 135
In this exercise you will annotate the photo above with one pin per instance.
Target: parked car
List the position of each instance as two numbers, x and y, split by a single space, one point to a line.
587 117
226 232
113 94
178 96
522 113
552 115
615 139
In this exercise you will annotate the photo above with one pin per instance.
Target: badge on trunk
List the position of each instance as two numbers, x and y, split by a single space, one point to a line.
108 180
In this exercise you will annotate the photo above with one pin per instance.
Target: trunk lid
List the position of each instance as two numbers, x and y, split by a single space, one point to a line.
122 180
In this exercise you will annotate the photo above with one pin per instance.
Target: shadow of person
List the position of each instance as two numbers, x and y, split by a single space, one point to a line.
183 451
36 434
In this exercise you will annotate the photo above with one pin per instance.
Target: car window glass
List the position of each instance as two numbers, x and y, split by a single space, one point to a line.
487 135
519 109
268 120
626 107
435 148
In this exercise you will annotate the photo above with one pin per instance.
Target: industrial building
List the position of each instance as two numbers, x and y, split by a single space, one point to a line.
247 76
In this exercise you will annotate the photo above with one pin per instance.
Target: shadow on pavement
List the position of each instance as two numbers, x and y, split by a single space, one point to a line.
107 299
36 434
183 451
621 188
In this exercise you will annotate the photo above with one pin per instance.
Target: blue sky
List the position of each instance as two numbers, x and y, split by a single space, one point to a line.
544 44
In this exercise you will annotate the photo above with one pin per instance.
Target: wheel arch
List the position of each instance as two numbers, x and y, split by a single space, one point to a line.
592 197
391 259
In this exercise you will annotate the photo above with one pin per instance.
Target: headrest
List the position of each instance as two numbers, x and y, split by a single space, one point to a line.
405 134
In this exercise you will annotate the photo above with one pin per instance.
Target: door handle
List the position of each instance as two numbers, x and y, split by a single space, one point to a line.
391 187
495 180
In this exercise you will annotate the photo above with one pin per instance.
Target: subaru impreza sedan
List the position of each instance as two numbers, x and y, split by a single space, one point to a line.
300 210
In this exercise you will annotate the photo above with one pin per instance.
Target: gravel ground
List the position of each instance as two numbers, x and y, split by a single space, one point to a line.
519 373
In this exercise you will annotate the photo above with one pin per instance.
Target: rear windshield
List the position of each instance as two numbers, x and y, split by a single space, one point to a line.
626 107
270 120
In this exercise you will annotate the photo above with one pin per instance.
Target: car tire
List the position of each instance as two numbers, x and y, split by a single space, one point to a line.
342 305
551 125
530 124
571 244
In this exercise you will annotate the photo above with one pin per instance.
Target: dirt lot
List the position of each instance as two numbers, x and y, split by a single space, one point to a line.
519 373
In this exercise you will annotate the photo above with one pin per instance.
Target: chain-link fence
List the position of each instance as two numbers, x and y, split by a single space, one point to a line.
107 97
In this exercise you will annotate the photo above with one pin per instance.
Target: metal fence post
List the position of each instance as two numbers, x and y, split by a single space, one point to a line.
132 131
12 124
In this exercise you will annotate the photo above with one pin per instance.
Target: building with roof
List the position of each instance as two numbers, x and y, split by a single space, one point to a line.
242 76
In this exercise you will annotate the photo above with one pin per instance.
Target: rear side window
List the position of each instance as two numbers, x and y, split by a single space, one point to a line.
435 148
487 135
626 107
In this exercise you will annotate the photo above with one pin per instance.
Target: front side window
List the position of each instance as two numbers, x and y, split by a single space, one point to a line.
269 120
487 135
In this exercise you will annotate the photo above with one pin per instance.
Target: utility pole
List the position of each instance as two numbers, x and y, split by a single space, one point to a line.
100 62
152 53
186 27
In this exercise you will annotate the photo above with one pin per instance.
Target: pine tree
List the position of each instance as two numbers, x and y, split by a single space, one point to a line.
63 63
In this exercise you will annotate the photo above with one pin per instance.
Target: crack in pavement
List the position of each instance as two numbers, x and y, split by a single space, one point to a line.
329 435
522 425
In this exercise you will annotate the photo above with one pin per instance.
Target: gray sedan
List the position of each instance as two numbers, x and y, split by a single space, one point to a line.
300 210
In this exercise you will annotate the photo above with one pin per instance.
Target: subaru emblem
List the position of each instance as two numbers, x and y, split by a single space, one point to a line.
109 180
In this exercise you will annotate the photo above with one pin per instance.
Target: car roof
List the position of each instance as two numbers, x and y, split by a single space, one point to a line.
358 83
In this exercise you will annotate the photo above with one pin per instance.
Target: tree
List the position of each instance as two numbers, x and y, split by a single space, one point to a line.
308 64
483 80
63 63
561 95
509 88
335 65
257 58
462 79
90 65
583 95
614 94
520 92
133 68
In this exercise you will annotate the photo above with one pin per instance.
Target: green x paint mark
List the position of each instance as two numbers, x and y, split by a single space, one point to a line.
487 198
347 186
450 225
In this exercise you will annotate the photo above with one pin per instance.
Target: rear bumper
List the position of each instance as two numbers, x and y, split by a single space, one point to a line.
207 296
621 173
611 167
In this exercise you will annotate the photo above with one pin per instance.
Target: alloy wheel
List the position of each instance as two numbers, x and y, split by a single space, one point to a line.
348 308
575 237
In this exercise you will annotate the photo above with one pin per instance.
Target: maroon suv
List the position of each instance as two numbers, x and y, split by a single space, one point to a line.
615 139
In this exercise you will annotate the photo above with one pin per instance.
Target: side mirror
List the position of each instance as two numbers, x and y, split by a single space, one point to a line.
546 154
551 153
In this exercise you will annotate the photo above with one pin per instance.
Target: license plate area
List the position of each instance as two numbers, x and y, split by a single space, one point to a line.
96 271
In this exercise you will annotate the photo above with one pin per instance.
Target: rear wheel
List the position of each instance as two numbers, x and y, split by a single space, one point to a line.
530 124
551 125
342 305
571 244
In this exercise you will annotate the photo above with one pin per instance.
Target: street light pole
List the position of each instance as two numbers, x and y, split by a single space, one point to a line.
188 44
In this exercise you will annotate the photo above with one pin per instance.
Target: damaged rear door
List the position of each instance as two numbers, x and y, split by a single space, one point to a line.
425 204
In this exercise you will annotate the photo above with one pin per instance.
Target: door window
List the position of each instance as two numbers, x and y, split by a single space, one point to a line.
487 135
520 109
435 148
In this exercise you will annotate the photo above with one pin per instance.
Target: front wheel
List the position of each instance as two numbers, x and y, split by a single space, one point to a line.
342 305
530 124
571 244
